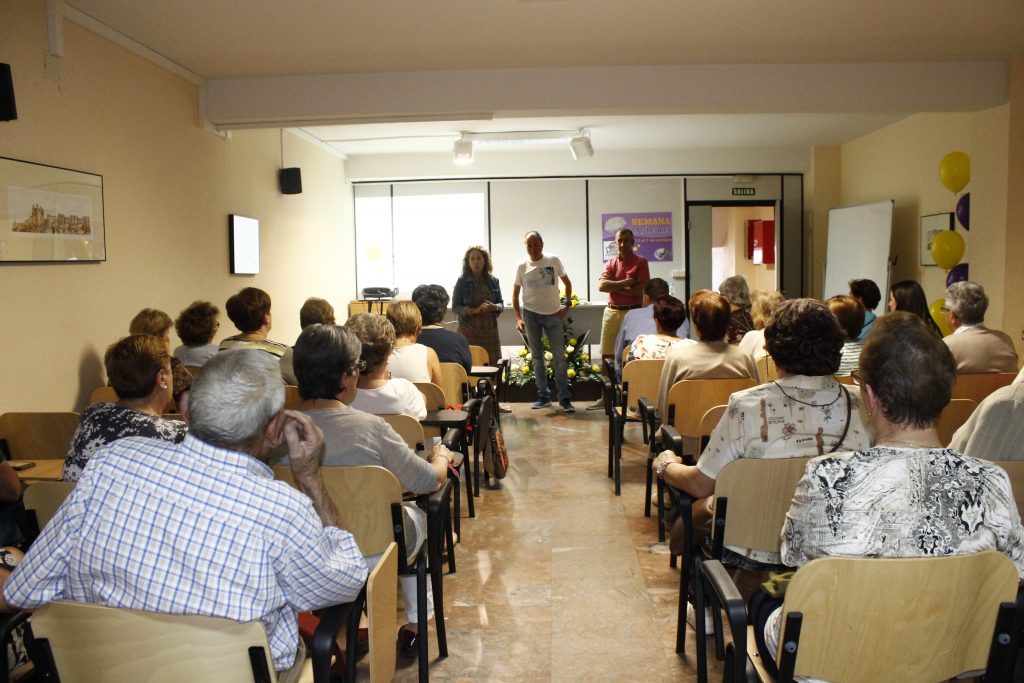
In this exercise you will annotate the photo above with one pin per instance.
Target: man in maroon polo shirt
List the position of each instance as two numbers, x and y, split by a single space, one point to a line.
623 279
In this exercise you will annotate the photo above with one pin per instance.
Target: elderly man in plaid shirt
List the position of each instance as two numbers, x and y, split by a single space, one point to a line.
202 527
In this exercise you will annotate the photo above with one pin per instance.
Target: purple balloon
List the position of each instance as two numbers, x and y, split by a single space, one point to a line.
963 211
957 273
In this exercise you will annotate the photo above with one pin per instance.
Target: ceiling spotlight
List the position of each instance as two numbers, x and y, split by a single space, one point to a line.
463 151
580 145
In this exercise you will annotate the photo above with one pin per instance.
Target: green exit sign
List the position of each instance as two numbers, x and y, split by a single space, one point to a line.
743 191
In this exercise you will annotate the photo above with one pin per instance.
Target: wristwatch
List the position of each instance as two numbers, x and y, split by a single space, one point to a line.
662 466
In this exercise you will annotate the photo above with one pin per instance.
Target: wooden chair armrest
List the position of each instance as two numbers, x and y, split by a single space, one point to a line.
321 649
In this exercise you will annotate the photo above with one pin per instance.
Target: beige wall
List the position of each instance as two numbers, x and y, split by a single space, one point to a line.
822 192
901 162
168 188
1013 313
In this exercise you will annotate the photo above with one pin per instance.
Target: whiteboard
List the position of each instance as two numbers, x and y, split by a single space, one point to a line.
858 247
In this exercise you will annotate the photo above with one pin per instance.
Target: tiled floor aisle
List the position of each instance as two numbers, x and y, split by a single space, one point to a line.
558 579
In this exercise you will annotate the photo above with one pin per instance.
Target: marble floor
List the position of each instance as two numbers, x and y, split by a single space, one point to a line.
558 579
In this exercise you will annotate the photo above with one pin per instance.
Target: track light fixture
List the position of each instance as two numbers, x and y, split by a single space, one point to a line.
580 145
463 150
579 141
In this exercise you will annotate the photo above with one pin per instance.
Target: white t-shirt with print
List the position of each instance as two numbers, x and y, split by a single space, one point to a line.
539 282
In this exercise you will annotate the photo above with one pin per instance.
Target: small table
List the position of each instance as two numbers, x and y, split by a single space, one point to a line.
450 419
43 470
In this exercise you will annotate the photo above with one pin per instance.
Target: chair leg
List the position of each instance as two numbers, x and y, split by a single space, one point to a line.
352 637
684 590
421 605
437 585
650 479
449 540
617 454
457 504
477 441
661 513
701 627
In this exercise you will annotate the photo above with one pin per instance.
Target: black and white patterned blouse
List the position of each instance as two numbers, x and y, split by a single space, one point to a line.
901 502
104 423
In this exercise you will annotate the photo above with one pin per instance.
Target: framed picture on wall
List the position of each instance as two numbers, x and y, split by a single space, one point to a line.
932 225
50 214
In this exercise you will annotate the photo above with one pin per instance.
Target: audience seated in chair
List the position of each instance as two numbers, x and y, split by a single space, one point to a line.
805 412
976 348
907 496
327 365
710 357
139 369
995 430
249 310
379 393
451 347
641 320
850 314
314 311
158 324
232 543
196 326
763 303
411 360
669 316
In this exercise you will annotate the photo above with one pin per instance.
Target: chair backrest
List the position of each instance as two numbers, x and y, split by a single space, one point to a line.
292 400
689 399
363 496
1015 470
433 396
709 421
640 379
44 497
454 383
625 353
844 379
759 492
108 395
977 387
103 395
907 619
479 355
766 369
95 643
38 436
409 429
953 415
381 611
193 370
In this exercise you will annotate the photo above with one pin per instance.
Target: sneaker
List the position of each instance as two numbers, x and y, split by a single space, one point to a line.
565 406
596 405
541 403
709 620
504 407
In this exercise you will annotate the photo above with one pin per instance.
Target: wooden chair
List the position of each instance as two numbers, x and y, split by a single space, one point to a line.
479 355
292 400
87 642
38 436
433 396
687 402
844 379
851 619
411 431
630 401
977 387
455 383
752 497
952 417
41 501
766 370
193 370
108 395
369 501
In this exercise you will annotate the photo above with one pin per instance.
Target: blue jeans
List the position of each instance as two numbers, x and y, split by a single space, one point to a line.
553 327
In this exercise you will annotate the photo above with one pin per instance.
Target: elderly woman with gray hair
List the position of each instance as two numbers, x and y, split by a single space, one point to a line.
736 292
327 364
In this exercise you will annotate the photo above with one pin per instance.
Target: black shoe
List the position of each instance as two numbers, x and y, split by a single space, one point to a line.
408 642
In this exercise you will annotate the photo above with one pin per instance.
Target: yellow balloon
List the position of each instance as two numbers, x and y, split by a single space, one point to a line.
939 316
955 171
947 249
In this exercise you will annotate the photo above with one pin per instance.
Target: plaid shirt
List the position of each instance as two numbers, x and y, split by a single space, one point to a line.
190 529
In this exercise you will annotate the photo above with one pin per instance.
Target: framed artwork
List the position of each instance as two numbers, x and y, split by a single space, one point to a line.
930 226
50 214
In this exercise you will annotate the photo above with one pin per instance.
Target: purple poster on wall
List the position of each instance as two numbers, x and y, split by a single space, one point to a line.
652 234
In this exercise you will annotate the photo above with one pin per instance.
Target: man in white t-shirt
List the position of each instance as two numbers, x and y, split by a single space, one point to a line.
542 313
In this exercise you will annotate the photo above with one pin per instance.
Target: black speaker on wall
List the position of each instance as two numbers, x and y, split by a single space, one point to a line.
290 180
8 112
